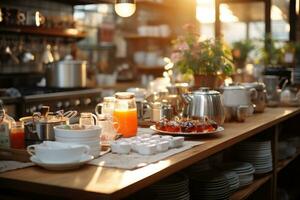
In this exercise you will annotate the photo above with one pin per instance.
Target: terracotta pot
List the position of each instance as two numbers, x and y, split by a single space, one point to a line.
211 81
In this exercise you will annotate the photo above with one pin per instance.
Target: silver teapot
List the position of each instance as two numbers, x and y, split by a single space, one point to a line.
204 102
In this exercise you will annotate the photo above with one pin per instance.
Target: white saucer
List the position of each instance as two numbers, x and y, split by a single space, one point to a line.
62 166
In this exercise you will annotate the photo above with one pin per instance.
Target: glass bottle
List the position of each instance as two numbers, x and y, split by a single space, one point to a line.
5 125
106 107
125 114
108 132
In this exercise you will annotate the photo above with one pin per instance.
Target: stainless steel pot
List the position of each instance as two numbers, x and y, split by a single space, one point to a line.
66 74
204 102
39 130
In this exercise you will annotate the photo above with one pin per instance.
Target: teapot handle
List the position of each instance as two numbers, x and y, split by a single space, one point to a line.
253 93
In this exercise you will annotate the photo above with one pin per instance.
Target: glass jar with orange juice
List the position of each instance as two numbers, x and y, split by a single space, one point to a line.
17 138
125 114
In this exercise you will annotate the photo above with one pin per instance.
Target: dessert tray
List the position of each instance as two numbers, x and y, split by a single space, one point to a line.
219 129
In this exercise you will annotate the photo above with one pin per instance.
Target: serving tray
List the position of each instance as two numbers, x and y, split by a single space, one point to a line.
219 129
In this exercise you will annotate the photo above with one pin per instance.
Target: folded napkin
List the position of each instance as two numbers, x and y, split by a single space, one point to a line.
12 165
135 160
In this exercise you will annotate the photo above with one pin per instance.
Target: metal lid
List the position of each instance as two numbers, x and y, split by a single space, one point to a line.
206 91
109 99
234 87
124 95
44 120
257 85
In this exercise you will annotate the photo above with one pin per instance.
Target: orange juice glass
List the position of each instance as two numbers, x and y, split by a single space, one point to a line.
125 114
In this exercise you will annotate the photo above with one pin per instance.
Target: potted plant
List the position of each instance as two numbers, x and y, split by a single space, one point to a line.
240 52
270 53
209 61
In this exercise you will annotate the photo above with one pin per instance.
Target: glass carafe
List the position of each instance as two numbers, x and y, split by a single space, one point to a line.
106 107
125 114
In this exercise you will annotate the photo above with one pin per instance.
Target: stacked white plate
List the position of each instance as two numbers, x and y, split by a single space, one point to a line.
233 180
90 137
296 75
258 153
244 170
209 185
286 150
175 187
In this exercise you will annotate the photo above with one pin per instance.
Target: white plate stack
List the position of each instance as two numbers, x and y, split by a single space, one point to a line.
233 180
286 150
258 153
210 185
175 187
90 137
244 170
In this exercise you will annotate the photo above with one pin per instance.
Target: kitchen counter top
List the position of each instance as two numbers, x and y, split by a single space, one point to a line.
92 182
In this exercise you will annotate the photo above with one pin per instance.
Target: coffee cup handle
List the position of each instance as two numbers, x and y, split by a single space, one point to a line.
31 150
97 108
87 149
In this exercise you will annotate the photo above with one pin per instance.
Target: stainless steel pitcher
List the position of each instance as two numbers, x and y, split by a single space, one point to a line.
204 102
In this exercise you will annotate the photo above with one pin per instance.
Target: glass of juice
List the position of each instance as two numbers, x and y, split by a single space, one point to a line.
125 114
17 139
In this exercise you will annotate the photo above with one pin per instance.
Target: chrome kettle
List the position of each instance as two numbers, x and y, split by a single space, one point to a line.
204 102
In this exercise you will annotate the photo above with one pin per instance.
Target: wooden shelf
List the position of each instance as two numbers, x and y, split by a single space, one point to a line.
97 47
245 192
140 37
83 2
156 70
120 86
283 163
153 5
54 32
95 182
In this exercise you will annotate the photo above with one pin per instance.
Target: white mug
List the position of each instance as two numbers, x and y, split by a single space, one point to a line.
48 154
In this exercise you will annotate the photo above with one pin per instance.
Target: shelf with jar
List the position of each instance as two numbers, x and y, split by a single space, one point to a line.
44 31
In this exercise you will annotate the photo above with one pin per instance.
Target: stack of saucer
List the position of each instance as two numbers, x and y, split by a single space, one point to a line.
175 187
233 180
296 75
209 185
90 137
259 154
286 150
244 170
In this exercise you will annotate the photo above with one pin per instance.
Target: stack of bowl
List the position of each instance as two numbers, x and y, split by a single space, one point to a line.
89 136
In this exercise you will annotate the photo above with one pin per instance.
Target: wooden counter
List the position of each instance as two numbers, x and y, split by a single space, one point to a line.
91 182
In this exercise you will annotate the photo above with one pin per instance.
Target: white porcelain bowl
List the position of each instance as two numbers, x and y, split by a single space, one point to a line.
62 132
76 140
56 152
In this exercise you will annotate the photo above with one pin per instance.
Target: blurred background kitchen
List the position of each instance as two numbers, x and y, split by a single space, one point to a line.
69 54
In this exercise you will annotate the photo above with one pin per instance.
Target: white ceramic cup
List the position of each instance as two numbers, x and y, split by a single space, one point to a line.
47 154
139 57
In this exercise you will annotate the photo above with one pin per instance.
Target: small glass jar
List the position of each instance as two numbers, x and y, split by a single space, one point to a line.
87 119
17 135
125 114
156 112
108 132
